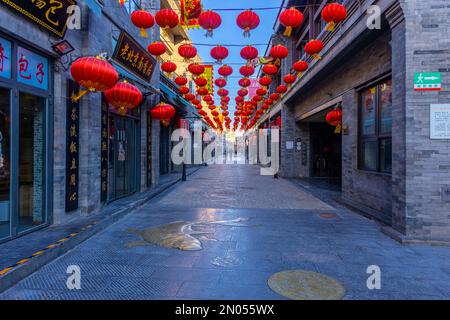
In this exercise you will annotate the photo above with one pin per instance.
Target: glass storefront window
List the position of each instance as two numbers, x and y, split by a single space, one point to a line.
368 111
5 177
386 107
31 161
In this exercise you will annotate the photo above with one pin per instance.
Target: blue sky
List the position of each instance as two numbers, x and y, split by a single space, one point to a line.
230 33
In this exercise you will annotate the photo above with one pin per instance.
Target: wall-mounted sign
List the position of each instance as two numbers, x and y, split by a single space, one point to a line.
50 14
289 145
32 69
209 76
440 121
427 81
133 57
104 151
5 58
72 147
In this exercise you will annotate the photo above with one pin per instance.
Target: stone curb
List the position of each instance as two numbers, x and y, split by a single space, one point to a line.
21 271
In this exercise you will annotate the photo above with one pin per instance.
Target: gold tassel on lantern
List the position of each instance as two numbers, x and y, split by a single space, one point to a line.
316 56
122 2
330 26
143 33
77 96
288 32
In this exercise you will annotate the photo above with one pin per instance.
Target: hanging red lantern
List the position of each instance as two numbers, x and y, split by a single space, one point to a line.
201 82
247 20
244 82
270 69
198 106
196 102
225 113
265 107
300 66
123 96
332 14
225 99
334 118
239 99
187 51
143 20
268 102
261 92
189 97
281 89
219 53
265 81
183 90
202 113
202 91
164 112
220 82
313 48
247 71
289 79
222 92
274 96
225 71
196 69
167 18
242 92
168 67
279 52
291 19
181 81
209 20
94 74
257 99
249 53
207 98
157 48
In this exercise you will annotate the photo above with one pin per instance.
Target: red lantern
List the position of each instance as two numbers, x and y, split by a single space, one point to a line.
196 102
270 69
123 96
167 18
202 91
261 92
94 74
249 53
223 92
164 112
334 118
242 92
289 79
143 20
244 82
202 113
201 82
181 81
265 107
313 48
207 98
187 51
300 66
219 53
247 20
157 48
247 71
225 70
239 99
198 106
279 52
265 81
168 67
220 82
183 90
196 69
257 99
268 102
282 89
274 96
332 14
189 97
290 19
209 20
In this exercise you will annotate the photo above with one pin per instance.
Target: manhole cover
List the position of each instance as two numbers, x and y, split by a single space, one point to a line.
306 285
328 215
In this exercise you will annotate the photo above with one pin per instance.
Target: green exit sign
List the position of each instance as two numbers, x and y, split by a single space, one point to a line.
427 81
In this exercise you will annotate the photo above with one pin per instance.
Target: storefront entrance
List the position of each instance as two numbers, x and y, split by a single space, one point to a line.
123 156
24 178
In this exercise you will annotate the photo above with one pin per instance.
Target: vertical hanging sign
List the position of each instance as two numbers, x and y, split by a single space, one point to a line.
149 150
72 147
104 151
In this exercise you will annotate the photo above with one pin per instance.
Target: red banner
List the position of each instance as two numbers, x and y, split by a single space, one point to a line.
190 11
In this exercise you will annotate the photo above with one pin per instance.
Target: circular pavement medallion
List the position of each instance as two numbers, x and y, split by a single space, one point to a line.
306 285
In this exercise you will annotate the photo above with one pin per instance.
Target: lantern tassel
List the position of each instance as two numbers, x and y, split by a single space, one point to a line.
79 95
299 74
209 33
288 32
316 56
143 33
338 129
330 26
247 33
122 2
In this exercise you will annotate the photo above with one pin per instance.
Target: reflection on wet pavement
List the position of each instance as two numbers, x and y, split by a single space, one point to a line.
179 234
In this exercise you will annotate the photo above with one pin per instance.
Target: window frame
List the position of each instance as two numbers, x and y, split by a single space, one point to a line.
377 136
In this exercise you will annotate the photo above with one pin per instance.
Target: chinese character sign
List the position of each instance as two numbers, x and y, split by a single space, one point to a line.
32 69
209 76
5 58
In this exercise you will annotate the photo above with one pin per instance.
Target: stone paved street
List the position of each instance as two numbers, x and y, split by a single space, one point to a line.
264 226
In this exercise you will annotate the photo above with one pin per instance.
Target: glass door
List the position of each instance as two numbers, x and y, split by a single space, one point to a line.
5 169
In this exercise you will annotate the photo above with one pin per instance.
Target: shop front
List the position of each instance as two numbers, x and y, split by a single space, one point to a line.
25 111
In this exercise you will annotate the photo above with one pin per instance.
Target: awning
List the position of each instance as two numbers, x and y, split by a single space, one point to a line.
173 98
